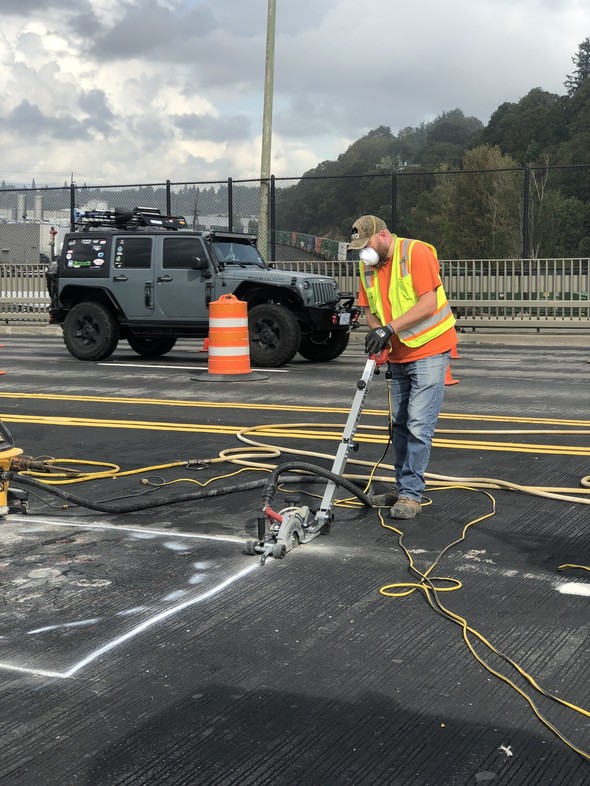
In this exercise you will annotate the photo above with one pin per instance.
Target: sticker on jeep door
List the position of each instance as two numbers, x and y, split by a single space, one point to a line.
83 254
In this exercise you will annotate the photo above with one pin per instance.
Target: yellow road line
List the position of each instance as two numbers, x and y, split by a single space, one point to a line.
289 432
277 408
178 403
142 425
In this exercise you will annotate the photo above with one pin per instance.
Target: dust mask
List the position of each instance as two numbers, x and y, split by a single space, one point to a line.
369 256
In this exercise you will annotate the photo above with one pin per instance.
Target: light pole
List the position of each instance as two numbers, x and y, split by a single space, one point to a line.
263 244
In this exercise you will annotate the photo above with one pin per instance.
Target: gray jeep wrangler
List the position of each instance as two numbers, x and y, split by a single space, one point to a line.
144 277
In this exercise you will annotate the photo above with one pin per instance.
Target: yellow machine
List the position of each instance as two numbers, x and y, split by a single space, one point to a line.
7 453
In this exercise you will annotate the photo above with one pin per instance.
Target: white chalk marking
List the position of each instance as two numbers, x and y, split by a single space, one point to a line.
173 546
573 588
36 672
77 624
144 531
42 630
176 595
23 521
111 645
131 634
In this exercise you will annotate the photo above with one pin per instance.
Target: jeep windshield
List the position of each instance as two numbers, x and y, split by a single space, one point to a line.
231 252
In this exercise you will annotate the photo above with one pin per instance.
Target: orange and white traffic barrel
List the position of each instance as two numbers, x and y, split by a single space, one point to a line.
229 343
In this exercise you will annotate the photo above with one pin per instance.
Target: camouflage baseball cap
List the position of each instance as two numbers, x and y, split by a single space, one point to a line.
363 230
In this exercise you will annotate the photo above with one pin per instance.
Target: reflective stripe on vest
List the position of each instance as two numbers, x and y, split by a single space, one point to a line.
402 297
371 288
404 265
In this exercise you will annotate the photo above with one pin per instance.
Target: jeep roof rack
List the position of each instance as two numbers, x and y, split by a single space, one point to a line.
123 218
220 234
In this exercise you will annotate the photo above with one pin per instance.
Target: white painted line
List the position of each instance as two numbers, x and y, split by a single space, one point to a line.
189 368
114 643
79 524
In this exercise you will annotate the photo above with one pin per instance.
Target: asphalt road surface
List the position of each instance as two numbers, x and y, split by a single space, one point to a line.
147 648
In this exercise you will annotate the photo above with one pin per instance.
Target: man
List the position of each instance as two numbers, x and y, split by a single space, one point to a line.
407 311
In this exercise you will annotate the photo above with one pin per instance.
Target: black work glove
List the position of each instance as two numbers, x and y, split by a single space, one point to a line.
377 339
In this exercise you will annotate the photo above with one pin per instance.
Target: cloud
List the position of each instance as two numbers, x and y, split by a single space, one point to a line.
174 89
28 119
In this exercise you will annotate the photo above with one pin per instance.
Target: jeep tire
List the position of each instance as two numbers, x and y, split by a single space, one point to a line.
151 346
321 347
90 331
275 335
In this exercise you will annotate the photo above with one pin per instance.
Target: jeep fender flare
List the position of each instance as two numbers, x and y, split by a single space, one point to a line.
72 294
255 295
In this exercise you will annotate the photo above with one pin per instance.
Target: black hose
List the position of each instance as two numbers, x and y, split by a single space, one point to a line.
271 484
133 507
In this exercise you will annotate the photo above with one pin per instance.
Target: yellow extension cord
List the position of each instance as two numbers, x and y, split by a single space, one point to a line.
257 456
431 586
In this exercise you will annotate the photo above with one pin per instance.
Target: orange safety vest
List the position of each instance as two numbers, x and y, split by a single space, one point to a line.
402 297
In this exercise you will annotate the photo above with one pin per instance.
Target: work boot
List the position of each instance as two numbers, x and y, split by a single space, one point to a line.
385 500
405 508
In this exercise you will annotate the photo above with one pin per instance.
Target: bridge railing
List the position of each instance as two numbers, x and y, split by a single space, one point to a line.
489 293
23 292
495 292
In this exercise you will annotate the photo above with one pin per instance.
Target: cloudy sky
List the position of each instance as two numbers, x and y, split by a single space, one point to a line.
133 91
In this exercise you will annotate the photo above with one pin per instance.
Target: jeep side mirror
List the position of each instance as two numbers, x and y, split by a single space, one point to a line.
201 264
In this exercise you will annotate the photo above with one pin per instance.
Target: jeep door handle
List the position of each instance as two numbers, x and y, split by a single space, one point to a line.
164 279
122 277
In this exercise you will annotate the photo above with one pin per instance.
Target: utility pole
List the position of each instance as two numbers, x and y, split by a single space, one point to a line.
263 234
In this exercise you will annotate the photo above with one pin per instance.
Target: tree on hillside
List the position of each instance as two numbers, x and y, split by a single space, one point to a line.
473 212
573 149
453 128
581 60
558 224
328 198
409 143
520 129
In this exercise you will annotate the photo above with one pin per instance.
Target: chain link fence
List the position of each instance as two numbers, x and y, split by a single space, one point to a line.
526 212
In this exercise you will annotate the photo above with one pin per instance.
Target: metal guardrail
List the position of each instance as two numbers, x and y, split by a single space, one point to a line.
550 293
23 292
496 293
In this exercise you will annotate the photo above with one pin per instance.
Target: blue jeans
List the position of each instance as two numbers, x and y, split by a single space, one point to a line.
417 390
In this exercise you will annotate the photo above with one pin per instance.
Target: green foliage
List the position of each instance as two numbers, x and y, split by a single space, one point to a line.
581 60
453 128
472 211
564 227
520 129
363 176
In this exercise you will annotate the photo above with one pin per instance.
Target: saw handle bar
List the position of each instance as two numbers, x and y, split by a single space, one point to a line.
381 358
